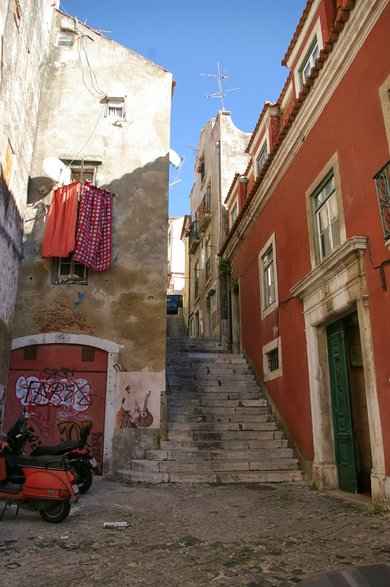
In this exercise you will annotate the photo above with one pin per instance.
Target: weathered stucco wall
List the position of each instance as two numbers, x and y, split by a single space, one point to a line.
127 303
23 48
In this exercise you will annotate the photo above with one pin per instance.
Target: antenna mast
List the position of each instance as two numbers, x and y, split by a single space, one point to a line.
221 92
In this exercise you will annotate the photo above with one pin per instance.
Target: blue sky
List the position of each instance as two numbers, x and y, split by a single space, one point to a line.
248 38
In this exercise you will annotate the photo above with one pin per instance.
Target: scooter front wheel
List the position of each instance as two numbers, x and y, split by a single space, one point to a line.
55 513
83 474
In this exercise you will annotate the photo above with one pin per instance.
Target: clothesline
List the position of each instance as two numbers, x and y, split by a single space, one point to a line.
83 227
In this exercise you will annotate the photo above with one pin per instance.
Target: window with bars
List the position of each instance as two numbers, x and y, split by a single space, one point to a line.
382 182
65 270
116 108
272 360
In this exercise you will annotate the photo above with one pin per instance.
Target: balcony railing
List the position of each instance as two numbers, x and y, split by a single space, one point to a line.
204 211
194 236
382 181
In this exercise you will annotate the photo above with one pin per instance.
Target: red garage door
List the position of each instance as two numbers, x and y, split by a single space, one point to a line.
63 387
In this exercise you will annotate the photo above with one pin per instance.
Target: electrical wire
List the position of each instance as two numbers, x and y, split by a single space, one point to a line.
89 138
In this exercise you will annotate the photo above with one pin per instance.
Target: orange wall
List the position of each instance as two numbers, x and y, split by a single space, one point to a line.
352 124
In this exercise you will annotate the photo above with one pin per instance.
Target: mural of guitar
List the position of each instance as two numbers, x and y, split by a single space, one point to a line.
145 418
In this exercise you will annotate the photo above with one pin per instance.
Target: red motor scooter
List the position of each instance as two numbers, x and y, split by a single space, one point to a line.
76 453
42 484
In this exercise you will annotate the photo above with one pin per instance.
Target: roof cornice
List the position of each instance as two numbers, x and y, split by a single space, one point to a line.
339 53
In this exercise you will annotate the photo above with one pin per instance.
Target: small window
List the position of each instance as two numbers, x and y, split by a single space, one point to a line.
201 168
309 61
196 277
115 108
83 170
268 278
261 158
233 214
267 261
67 271
272 360
65 39
208 258
326 217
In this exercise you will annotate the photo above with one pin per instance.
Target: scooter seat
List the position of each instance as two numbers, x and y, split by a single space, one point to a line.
47 462
58 449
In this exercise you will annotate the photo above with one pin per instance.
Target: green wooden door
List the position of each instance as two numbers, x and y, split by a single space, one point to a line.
341 408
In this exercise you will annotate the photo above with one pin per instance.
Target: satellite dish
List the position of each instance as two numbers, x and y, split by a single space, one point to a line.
174 158
57 170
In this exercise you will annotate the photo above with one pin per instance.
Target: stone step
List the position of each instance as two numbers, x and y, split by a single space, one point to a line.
220 426
212 358
223 435
215 393
207 382
181 411
219 477
184 402
192 466
223 454
212 418
194 446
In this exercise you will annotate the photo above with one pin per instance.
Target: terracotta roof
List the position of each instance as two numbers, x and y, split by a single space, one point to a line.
341 18
262 114
297 31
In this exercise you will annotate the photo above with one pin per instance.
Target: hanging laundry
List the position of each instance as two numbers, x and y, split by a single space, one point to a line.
93 234
60 230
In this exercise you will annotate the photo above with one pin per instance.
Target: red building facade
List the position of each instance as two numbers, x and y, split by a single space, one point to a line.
310 247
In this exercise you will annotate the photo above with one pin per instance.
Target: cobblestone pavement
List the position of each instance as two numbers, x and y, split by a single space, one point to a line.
192 535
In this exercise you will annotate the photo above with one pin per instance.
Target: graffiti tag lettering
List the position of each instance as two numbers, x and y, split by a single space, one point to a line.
66 391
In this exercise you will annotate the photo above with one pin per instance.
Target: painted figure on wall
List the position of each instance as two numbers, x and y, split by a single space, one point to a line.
138 399
134 418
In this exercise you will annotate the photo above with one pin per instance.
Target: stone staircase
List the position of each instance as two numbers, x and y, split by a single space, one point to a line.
220 428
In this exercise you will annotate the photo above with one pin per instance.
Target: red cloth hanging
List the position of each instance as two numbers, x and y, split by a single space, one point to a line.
93 236
60 230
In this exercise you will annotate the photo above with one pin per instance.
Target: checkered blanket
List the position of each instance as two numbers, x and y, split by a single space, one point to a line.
94 232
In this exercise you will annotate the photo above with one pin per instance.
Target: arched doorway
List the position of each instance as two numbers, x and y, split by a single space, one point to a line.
63 388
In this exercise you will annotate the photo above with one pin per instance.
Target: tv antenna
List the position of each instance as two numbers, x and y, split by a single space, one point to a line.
221 92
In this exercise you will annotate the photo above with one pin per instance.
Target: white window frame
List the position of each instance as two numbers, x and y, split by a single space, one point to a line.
65 38
324 209
269 375
331 165
261 157
77 274
268 308
116 108
305 55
